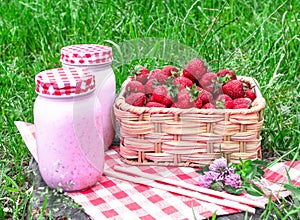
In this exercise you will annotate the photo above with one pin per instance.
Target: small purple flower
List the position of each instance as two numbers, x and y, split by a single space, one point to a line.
225 172
230 170
220 174
218 165
207 179
233 180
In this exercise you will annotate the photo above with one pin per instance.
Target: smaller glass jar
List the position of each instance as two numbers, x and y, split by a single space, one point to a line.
67 118
97 59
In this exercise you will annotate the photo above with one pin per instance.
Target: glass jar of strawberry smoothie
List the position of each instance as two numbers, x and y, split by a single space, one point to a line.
67 118
97 59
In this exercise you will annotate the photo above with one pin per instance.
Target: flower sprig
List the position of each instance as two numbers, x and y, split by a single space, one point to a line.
233 178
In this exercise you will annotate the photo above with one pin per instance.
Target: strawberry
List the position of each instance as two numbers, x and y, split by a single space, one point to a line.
208 79
174 105
214 89
250 94
183 82
134 87
136 99
198 103
161 94
246 86
217 91
208 106
151 99
195 69
150 85
241 103
234 89
155 104
209 89
224 101
204 96
184 99
210 83
199 95
157 74
194 92
226 75
140 74
169 70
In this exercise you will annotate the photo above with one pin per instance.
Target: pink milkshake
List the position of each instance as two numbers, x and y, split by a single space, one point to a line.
97 59
67 116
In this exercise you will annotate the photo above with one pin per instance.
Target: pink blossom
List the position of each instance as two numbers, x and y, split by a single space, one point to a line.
233 180
218 165
207 179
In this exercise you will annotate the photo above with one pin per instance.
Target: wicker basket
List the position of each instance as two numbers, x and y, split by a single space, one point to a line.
189 137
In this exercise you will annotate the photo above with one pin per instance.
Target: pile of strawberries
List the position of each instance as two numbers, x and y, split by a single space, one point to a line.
193 87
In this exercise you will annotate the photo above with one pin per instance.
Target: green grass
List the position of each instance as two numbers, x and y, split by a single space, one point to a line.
254 38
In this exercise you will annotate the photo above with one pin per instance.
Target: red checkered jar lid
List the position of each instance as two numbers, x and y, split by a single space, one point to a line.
64 82
86 54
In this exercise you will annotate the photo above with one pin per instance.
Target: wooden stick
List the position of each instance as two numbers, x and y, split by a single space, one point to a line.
138 172
185 192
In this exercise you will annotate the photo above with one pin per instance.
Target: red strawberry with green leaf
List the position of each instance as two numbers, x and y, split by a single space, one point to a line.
208 79
155 104
136 99
234 89
183 82
224 102
199 95
241 103
246 85
250 94
226 75
214 89
157 74
140 73
134 87
169 70
208 106
162 95
150 86
198 103
204 96
210 83
185 99
195 69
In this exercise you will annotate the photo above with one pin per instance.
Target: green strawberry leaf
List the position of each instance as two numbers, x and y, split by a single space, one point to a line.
194 93
155 83
175 74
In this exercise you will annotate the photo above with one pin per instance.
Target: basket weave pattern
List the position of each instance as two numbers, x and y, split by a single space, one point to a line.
189 137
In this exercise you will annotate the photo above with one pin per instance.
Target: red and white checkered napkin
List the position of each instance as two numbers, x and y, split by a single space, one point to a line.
118 199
